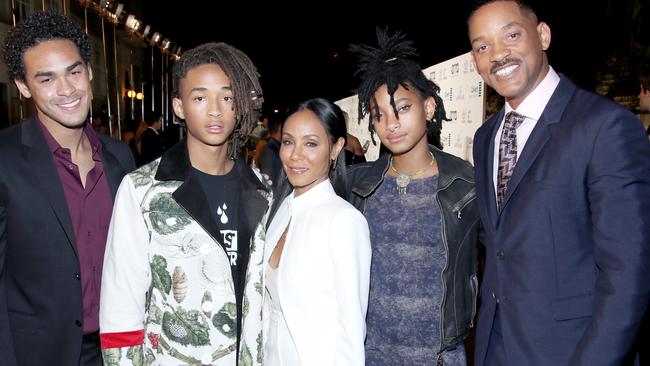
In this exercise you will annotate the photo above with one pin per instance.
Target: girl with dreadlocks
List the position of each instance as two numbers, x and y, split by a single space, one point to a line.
421 211
183 269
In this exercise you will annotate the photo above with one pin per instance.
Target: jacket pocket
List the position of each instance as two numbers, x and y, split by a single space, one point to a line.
463 202
24 323
567 308
474 284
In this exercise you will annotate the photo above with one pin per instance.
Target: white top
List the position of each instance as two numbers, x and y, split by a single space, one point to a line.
279 350
323 277
531 107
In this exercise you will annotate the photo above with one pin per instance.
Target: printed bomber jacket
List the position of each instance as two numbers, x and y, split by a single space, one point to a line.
168 294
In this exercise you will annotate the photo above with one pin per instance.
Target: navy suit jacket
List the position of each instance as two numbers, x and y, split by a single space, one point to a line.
40 289
568 256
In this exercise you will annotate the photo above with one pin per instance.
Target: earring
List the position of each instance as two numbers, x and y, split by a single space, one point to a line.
333 166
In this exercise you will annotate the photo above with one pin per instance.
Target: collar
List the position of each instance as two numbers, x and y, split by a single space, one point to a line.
54 145
450 168
175 165
319 191
533 105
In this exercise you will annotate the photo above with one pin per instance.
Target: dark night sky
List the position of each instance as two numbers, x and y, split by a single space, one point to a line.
301 52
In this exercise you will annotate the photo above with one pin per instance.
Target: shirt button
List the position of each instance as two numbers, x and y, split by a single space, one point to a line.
78 322
77 276
501 255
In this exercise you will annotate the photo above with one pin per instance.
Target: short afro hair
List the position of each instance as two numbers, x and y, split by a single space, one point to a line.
41 27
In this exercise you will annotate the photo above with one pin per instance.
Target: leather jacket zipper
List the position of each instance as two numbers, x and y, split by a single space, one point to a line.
460 205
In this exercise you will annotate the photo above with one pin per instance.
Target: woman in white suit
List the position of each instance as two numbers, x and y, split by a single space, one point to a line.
317 250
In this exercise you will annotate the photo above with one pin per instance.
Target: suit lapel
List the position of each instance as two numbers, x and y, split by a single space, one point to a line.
534 145
485 180
190 195
40 159
492 201
540 135
112 168
253 205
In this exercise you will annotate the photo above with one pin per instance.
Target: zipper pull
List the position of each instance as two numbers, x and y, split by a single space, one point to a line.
459 214
439 361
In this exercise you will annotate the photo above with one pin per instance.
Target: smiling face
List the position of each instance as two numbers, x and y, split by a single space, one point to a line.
206 104
408 132
58 81
306 150
508 47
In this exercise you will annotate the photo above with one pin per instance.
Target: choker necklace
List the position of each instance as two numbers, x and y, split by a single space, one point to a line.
403 179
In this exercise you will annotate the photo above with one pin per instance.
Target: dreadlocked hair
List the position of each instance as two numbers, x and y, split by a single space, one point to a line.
392 63
244 80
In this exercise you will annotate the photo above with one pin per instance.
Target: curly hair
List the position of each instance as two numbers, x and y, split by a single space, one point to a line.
392 64
244 80
41 27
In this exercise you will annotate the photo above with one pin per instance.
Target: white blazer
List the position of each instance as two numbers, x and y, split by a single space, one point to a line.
324 276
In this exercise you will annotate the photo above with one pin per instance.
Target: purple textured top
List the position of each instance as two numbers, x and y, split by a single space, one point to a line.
406 286
90 209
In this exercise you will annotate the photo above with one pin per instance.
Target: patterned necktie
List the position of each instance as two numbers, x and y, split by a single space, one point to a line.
507 153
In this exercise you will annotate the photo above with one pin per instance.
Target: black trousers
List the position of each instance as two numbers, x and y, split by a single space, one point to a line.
91 354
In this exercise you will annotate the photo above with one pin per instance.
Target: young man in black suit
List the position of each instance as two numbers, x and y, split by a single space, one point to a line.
57 185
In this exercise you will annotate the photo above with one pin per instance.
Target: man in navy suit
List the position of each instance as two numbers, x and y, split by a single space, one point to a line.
563 189
58 179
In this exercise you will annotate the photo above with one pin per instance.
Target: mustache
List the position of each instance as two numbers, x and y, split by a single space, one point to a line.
72 97
504 62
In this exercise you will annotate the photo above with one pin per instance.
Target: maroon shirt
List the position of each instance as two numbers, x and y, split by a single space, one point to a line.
90 210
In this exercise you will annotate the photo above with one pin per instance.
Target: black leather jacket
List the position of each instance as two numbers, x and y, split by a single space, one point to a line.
461 226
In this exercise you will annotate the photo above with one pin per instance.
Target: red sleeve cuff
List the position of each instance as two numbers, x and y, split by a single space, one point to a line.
123 339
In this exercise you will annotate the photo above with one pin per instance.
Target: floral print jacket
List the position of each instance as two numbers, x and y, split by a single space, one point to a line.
168 295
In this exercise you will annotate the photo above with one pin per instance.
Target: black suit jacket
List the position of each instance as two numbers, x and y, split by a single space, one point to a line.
151 146
40 289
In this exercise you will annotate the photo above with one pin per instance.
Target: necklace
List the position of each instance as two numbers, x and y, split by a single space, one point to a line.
403 179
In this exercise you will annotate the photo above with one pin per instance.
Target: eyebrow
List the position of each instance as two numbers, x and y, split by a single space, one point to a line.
50 73
398 100
511 25
504 28
202 88
309 135
73 66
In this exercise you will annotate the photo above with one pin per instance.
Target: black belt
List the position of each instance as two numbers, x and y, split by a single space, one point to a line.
91 337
